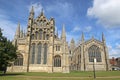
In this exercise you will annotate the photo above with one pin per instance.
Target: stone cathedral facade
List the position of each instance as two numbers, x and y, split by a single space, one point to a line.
40 49
82 56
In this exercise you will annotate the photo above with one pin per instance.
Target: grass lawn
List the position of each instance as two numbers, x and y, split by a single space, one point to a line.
101 75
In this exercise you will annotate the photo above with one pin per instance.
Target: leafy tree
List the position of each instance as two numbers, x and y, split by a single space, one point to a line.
7 53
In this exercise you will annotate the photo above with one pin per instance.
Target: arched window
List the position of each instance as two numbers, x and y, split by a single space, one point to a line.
44 36
45 53
39 53
47 37
94 52
40 35
32 53
32 36
78 59
57 61
36 36
19 60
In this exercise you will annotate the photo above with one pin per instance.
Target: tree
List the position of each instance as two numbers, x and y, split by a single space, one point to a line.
7 53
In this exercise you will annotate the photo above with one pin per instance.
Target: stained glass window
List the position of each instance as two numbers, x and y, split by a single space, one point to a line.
45 53
57 61
19 60
32 53
36 36
39 53
44 35
47 37
94 52
40 35
32 36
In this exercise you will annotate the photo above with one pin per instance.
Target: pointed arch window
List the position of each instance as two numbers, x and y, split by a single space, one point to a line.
40 35
32 36
39 53
94 52
45 53
78 59
47 37
32 53
57 61
36 36
19 60
44 36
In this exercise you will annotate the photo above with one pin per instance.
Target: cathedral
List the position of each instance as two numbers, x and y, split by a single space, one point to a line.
40 49
89 54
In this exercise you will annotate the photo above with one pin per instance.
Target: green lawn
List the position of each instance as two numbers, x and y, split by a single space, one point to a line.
101 75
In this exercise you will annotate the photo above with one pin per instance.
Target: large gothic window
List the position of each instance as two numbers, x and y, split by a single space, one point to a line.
39 53
94 52
57 61
19 60
45 53
32 53
40 35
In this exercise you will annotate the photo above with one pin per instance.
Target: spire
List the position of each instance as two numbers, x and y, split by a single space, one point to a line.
18 31
63 32
72 44
92 37
57 33
32 10
82 38
42 12
103 38
72 40
32 13
21 33
24 33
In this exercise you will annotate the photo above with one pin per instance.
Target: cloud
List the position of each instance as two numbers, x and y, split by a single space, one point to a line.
58 8
37 8
83 29
61 9
8 27
114 52
76 29
106 11
118 46
88 29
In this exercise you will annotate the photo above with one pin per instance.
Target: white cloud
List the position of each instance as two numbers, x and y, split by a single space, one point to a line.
84 29
114 52
106 11
37 8
8 28
88 29
63 10
118 46
76 29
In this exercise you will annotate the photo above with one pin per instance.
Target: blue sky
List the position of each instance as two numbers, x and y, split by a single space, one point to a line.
92 17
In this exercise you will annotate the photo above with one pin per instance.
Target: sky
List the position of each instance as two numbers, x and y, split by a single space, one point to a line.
92 17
